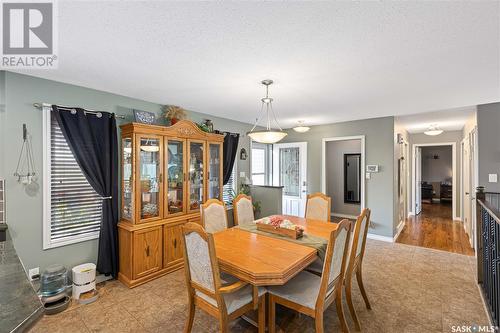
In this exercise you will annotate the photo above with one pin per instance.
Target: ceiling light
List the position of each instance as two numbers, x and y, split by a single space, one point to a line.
433 130
301 128
150 147
269 135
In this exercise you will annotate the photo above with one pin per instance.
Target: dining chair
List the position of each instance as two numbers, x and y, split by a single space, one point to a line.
311 294
318 207
213 215
354 266
206 288
243 209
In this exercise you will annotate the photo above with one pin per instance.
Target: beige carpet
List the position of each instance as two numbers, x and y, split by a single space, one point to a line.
411 289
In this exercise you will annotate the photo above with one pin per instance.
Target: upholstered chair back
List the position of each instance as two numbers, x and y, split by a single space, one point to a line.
364 221
243 210
335 259
198 260
318 207
213 216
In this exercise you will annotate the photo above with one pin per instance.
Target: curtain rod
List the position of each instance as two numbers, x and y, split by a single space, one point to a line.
41 105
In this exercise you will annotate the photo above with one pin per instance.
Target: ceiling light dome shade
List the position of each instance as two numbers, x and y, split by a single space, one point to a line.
433 130
269 135
301 128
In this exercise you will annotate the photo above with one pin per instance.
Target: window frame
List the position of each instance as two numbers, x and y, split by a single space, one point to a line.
48 243
268 162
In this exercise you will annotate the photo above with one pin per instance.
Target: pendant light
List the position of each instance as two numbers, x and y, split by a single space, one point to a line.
301 128
150 147
433 130
269 135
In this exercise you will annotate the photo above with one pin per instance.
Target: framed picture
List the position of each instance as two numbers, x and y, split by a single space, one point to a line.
144 117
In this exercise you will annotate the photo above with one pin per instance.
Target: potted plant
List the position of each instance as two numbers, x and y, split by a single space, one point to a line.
174 113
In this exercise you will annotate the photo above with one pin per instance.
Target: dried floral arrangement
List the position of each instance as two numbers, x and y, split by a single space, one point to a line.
174 113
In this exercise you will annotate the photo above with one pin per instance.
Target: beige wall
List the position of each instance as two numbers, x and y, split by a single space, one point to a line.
334 157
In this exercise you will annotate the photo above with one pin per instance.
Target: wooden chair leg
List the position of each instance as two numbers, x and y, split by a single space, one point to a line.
190 318
359 278
318 321
348 296
340 311
262 314
272 315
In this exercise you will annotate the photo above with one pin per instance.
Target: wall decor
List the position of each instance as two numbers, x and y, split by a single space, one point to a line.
144 117
25 170
243 154
174 113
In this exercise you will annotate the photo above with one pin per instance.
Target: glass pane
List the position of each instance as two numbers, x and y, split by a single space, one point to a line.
258 180
127 179
258 160
195 175
214 172
175 176
149 173
290 171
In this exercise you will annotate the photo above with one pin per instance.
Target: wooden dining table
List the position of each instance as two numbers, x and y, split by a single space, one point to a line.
263 260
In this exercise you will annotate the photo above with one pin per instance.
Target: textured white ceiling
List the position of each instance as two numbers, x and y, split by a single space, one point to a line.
447 120
331 61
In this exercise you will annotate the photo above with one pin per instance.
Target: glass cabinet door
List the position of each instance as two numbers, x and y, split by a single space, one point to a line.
214 171
127 180
196 174
149 170
174 154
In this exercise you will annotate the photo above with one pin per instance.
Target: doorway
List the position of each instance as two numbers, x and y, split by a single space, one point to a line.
290 171
342 176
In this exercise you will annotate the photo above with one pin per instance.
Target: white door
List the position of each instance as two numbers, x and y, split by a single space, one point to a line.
466 160
473 181
418 180
290 171
402 185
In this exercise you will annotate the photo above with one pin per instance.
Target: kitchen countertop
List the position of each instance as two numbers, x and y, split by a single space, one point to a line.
20 306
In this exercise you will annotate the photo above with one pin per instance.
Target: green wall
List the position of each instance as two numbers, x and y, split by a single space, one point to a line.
379 149
24 213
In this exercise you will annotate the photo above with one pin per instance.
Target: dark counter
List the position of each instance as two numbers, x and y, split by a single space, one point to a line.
20 306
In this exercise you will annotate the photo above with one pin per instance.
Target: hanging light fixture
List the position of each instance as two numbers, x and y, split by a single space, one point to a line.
433 130
269 135
150 147
301 128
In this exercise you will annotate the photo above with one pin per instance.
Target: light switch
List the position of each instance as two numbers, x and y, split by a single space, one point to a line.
492 178
242 174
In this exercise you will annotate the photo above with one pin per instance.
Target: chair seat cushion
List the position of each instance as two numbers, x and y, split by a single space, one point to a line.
303 289
235 300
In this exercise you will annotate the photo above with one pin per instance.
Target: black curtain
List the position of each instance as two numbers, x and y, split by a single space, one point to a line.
93 141
230 147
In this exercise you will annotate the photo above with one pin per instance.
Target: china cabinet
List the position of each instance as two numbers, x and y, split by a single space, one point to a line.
166 174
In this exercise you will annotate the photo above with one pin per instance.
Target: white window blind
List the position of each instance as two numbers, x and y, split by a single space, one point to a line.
73 208
230 188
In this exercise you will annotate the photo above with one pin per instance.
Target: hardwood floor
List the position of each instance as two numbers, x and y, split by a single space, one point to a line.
434 228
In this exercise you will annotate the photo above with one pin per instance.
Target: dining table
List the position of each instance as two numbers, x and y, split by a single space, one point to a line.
263 259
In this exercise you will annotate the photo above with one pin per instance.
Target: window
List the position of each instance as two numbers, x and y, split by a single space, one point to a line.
229 189
261 158
72 209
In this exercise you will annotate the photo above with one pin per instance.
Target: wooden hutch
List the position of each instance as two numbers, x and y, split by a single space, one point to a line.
166 174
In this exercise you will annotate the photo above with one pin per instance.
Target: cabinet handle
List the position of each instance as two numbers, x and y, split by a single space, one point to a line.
147 251
175 243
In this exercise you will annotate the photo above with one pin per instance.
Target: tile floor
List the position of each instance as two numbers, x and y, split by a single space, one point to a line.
411 289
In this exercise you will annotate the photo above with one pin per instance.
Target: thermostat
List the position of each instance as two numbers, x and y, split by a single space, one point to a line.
372 168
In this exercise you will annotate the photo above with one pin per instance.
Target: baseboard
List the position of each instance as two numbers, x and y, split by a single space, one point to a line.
380 238
399 229
345 216
101 278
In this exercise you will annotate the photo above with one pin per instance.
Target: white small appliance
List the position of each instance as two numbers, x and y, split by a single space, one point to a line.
84 290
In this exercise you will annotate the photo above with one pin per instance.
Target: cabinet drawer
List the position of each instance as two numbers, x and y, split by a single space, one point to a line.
147 251
173 247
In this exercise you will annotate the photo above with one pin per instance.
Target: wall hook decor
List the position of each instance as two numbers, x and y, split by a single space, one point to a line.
25 170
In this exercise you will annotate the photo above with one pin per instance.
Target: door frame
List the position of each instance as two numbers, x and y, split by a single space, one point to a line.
302 145
363 157
454 175
471 137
